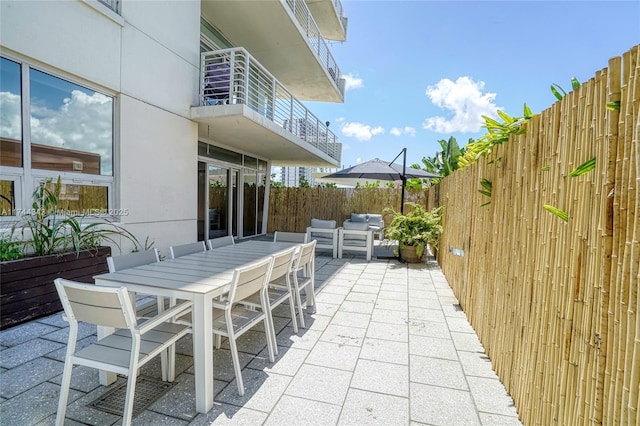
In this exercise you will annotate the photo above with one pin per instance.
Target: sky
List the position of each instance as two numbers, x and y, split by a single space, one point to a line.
421 71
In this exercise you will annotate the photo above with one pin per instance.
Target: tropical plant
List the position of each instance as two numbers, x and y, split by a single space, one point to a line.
47 229
559 92
419 228
9 250
497 133
444 162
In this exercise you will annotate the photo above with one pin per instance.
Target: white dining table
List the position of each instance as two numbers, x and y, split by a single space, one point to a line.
198 277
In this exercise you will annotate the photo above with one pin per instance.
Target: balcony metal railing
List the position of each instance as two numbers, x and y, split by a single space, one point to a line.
303 16
233 76
111 4
337 4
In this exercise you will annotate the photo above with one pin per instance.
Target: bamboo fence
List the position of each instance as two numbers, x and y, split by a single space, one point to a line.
291 209
554 303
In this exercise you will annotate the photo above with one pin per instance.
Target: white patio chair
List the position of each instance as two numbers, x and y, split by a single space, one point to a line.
355 236
305 263
149 309
278 291
185 249
232 319
292 237
131 346
325 233
220 242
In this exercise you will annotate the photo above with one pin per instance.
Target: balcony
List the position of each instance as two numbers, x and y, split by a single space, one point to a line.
283 36
243 106
329 15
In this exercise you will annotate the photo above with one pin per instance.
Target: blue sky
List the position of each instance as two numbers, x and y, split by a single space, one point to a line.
473 56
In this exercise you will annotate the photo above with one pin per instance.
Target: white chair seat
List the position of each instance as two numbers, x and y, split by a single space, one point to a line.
241 318
115 348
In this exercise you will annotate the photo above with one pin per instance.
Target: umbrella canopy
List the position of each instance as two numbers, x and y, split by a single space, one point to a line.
377 169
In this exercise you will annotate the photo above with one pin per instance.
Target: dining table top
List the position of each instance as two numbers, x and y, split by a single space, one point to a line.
198 273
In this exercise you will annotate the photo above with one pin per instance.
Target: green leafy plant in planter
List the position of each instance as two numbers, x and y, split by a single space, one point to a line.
46 243
419 228
46 229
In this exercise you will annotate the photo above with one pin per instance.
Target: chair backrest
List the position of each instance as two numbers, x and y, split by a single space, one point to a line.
220 242
306 254
106 306
131 260
282 263
293 237
185 249
250 279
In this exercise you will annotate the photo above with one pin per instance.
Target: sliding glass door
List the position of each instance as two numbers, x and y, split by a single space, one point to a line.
217 201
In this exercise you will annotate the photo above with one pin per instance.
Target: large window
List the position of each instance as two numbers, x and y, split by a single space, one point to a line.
10 114
68 133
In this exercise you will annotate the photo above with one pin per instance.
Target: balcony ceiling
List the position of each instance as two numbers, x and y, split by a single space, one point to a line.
270 34
324 13
239 128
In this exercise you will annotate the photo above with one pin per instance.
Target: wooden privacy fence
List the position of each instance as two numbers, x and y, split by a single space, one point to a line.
555 303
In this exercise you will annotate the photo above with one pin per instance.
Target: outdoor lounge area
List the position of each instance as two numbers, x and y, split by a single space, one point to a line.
388 345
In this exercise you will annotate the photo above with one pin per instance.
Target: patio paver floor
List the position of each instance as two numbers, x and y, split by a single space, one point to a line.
388 345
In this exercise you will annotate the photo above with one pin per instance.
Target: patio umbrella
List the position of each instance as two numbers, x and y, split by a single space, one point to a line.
377 169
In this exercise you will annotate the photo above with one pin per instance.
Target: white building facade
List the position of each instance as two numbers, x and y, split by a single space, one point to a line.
168 115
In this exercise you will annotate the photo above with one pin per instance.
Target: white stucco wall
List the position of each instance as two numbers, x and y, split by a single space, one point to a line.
71 36
158 170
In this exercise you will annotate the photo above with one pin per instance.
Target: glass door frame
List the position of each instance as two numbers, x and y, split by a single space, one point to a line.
232 169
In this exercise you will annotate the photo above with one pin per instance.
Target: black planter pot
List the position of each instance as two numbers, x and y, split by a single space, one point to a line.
26 285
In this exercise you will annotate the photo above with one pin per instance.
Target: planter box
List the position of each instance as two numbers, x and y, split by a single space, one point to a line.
27 290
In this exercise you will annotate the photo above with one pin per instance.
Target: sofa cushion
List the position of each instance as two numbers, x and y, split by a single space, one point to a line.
319 223
354 226
375 220
359 217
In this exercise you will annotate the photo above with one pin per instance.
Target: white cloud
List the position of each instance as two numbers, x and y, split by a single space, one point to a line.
352 82
465 100
406 130
362 132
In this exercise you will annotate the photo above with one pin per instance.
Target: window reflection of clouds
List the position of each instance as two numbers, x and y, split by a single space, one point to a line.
10 111
69 116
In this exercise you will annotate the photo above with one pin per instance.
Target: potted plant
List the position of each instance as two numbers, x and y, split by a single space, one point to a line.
414 231
47 243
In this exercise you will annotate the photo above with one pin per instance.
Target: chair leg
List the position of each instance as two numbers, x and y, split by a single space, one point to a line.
171 361
299 301
236 363
128 402
64 392
271 336
218 341
164 365
292 305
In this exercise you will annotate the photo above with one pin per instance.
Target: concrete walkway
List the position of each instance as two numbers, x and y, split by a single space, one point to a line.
388 345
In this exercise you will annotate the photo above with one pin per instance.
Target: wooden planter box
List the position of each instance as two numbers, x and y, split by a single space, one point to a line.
26 285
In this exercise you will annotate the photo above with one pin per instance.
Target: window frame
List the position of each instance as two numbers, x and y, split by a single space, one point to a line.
26 178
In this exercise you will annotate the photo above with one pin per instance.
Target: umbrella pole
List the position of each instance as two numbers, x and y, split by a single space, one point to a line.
403 177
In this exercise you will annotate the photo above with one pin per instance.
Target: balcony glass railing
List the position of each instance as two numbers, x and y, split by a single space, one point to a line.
303 16
233 76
